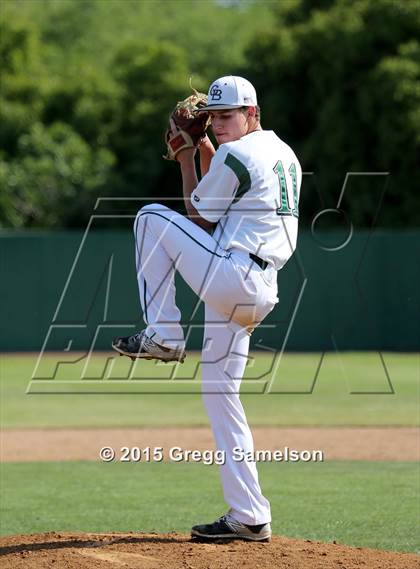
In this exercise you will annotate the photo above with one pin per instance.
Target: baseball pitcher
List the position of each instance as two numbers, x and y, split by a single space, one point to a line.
240 229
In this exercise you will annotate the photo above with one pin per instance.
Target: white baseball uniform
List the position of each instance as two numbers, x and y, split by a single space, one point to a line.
251 190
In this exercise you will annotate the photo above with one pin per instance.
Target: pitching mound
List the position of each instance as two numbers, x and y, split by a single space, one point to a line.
150 551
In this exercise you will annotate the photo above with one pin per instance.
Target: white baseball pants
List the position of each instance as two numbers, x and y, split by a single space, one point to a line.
237 298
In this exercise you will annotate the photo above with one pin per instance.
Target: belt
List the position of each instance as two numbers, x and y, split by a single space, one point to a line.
260 262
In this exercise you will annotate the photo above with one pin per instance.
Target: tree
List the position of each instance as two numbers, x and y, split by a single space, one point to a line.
55 171
340 84
152 77
21 73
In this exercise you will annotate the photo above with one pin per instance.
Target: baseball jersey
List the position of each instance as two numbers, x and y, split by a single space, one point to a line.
252 190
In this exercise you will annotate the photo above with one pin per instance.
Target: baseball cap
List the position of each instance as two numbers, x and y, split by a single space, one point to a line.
230 92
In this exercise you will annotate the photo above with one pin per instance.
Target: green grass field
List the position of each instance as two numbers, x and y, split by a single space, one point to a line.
369 504
332 401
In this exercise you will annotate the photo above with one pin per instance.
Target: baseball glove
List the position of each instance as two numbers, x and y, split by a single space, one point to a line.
187 127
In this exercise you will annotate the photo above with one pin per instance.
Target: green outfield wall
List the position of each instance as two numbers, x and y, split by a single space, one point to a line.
73 291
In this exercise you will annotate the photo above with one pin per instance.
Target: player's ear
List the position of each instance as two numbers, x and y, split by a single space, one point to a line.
251 111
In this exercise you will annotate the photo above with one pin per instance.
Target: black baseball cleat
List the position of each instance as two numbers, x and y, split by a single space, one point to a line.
141 346
226 527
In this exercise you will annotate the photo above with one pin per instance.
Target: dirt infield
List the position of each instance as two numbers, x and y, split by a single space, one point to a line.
370 443
177 551
173 550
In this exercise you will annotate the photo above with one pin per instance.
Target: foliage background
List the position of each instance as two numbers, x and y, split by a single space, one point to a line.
86 87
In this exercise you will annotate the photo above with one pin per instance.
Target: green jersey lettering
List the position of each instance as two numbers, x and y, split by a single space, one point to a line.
285 208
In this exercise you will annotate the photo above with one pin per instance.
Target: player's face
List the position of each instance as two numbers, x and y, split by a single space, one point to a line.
228 125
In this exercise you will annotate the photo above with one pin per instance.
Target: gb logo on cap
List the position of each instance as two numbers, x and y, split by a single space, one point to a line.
215 93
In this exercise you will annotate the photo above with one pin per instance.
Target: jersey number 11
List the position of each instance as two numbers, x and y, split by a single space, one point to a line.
285 208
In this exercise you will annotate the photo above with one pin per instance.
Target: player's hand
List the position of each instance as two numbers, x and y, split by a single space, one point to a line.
188 152
206 145
187 125
186 155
